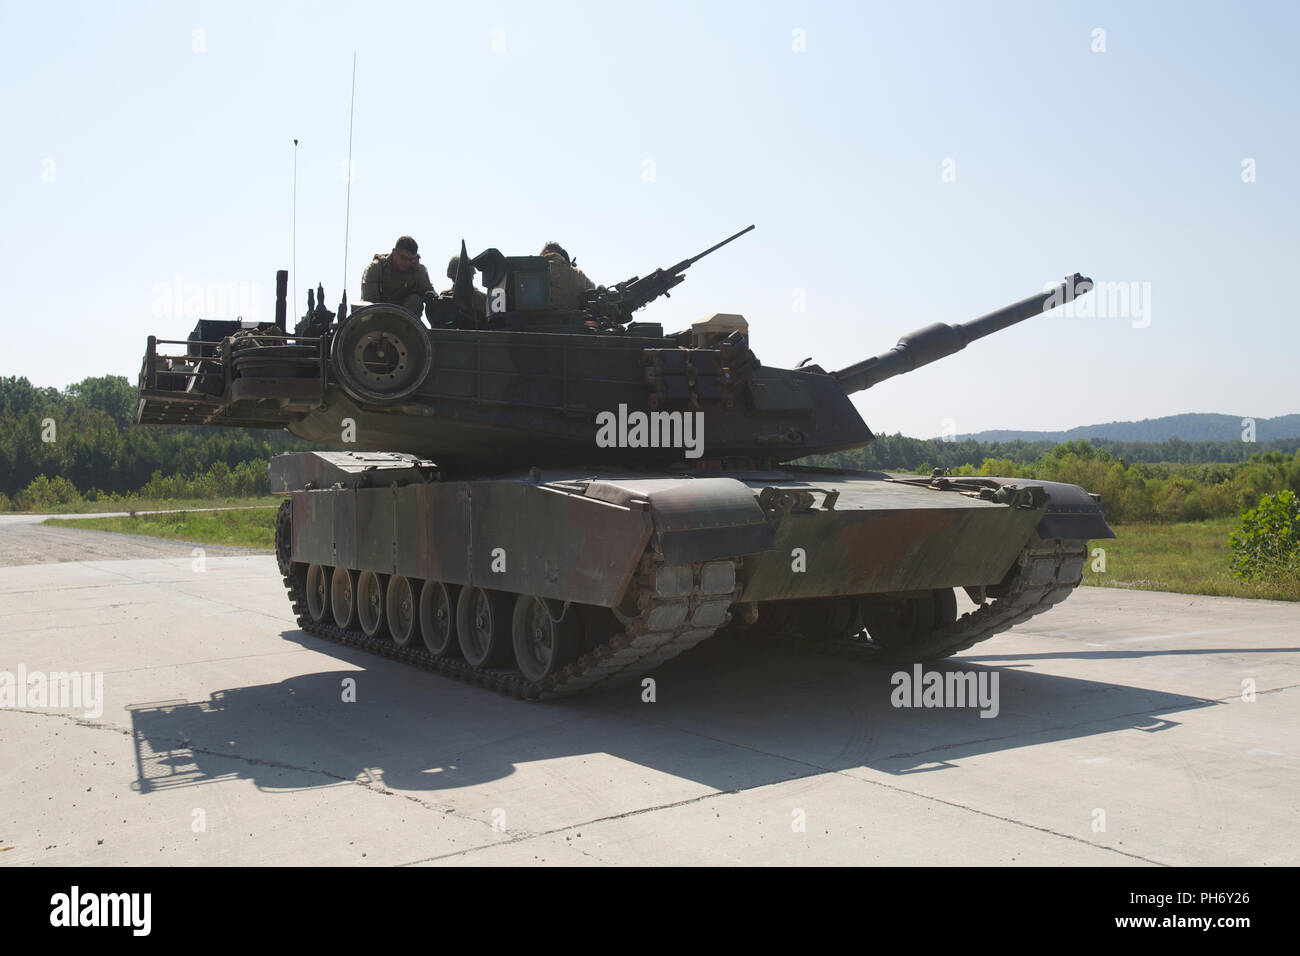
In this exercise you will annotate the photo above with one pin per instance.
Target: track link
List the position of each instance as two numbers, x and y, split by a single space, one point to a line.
674 612
1045 573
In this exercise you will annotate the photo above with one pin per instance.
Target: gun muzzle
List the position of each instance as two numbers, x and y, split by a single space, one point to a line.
940 340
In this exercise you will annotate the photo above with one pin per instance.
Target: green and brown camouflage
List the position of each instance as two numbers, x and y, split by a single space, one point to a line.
542 499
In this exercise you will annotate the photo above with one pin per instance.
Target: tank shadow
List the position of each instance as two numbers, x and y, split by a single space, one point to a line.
1110 654
727 715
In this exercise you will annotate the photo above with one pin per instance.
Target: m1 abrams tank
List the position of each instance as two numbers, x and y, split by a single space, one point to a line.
543 500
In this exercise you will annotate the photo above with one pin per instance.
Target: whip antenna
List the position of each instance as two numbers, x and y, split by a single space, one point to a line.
295 223
347 217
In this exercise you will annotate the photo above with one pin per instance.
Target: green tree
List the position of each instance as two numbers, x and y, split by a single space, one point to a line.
112 394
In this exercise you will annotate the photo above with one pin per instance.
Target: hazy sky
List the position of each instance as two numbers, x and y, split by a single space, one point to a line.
905 164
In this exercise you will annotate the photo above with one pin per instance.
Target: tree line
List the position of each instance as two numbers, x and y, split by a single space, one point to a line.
900 453
82 441
1138 490
62 446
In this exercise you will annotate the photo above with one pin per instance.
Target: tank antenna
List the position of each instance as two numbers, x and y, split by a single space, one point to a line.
295 223
347 217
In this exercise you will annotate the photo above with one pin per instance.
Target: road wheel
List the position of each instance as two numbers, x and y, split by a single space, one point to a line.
343 603
596 625
542 644
895 624
483 626
438 618
318 593
403 619
370 604
827 619
945 606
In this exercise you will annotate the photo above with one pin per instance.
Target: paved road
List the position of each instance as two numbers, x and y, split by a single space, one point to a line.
25 539
1122 738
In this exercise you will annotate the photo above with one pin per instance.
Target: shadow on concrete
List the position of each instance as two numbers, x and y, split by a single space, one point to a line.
1112 654
728 715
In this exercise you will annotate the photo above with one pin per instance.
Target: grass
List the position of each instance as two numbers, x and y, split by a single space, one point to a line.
153 504
244 527
1188 557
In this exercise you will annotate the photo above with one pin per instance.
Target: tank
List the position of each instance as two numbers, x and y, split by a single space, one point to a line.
544 499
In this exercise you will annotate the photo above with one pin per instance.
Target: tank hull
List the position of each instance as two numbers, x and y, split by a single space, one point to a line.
672 555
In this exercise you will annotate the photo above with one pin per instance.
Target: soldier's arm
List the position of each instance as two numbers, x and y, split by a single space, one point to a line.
370 282
423 283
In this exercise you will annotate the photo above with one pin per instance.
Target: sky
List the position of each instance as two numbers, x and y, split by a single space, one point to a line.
904 164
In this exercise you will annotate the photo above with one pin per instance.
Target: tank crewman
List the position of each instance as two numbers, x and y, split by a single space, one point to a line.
398 277
480 297
567 280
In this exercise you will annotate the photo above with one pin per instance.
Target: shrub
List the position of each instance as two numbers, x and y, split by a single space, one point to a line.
43 493
1268 545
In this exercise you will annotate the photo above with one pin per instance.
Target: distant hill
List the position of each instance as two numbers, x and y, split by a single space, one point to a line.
1190 427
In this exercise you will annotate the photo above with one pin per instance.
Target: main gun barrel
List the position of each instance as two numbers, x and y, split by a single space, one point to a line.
940 340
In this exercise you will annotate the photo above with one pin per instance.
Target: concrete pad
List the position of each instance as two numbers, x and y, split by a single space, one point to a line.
1125 702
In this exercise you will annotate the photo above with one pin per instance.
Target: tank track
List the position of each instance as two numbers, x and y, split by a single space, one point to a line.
1046 572
672 616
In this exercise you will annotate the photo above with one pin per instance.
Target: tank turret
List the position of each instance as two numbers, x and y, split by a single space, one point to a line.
526 384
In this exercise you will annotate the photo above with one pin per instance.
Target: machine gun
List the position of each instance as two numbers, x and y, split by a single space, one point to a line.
614 306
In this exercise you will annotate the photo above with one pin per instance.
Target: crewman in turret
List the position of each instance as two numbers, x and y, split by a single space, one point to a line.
480 297
567 280
398 278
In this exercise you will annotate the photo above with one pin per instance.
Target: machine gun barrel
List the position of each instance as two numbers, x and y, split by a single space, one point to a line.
638 292
713 248
941 340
